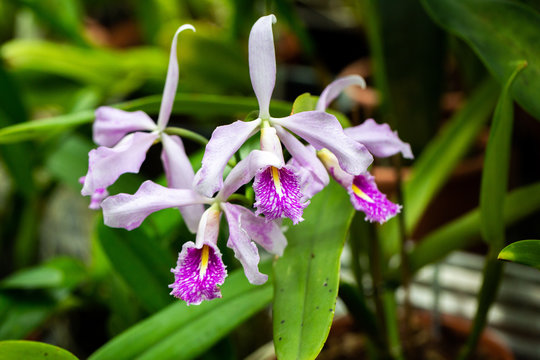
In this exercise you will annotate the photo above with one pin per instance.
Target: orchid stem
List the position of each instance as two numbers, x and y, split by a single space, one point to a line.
240 199
186 134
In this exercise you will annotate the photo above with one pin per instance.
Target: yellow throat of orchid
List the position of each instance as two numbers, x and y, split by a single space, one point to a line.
275 177
204 260
362 195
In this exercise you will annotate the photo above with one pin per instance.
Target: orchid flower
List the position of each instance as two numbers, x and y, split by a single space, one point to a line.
200 270
277 187
125 137
380 140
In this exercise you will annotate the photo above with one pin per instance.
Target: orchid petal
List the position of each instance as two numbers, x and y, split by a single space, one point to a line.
262 62
379 139
322 130
128 211
246 169
336 87
311 172
225 141
366 197
208 229
105 165
171 83
244 249
198 273
268 234
180 176
111 124
332 165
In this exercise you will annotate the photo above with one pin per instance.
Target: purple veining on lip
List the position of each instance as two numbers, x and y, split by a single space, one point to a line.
197 279
366 197
278 194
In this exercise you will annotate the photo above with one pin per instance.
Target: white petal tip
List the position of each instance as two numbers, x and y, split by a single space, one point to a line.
185 27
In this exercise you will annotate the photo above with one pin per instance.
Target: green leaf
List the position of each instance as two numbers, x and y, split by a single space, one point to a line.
460 233
184 332
63 16
188 104
434 166
500 32
142 262
526 252
408 64
32 350
59 272
307 276
496 166
69 161
308 102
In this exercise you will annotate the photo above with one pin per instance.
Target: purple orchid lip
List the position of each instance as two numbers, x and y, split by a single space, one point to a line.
277 194
198 274
366 197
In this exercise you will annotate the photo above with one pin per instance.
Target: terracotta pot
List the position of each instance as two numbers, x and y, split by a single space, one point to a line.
344 343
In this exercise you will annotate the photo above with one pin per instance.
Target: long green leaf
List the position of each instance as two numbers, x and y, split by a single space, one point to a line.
526 252
307 276
500 32
32 350
141 262
461 233
435 164
183 332
188 104
496 166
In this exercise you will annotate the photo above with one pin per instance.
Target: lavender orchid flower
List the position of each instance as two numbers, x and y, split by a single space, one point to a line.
200 270
277 188
125 137
380 140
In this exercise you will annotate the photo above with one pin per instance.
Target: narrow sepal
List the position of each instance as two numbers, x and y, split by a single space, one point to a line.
171 82
225 141
180 175
129 211
262 62
379 139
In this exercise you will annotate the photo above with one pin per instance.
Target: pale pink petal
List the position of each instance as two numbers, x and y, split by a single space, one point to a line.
171 82
379 139
336 87
180 175
246 169
198 274
262 62
244 249
111 124
105 165
225 141
128 211
268 234
323 130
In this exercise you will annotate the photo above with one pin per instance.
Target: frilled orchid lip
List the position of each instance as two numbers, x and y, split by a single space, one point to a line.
277 194
198 274
366 197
